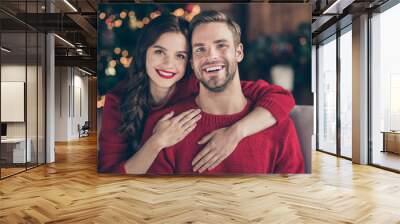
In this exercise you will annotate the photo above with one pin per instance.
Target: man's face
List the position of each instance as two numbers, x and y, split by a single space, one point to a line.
215 56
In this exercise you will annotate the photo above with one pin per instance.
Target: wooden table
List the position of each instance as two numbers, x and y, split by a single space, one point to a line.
391 141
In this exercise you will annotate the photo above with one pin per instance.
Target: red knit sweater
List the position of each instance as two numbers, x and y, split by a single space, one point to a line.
274 150
116 148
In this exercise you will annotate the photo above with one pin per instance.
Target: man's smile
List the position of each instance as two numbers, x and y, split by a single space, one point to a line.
213 69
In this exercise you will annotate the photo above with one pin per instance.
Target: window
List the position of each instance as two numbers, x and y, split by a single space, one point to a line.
327 96
385 87
346 92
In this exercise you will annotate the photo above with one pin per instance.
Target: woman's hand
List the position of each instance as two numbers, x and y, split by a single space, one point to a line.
171 130
220 144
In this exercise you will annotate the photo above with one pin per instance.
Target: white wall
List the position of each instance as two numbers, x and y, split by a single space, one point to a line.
16 73
70 83
33 127
61 103
12 73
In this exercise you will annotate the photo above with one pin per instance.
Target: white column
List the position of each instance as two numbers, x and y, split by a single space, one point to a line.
314 93
50 93
360 90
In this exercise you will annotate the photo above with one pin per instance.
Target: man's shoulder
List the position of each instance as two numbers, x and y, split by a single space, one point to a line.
286 124
282 129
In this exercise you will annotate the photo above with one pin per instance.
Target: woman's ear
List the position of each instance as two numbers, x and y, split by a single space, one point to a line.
239 52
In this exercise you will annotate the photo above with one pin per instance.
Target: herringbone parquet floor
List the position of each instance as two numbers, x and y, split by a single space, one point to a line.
71 191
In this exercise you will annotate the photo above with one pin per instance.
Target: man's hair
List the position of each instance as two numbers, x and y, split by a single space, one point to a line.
215 16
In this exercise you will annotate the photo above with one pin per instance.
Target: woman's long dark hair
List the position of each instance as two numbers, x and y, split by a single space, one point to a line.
137 100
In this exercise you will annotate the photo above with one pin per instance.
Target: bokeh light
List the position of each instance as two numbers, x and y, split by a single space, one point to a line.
146 20
102 15
110 71
112 63
140 24
117 23
117 50
125 53
196 9
122 15
179 12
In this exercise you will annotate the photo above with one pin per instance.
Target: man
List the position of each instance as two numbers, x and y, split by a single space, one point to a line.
216 52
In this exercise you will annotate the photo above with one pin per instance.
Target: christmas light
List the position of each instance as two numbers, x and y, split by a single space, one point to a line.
112 63
117 50
125 53
122 15
102 15
117 23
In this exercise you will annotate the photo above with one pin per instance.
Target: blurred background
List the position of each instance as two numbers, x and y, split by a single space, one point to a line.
276 39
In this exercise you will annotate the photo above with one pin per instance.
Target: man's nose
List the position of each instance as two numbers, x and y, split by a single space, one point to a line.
212 53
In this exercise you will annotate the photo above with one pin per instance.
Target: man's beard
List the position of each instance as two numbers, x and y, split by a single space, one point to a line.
212 83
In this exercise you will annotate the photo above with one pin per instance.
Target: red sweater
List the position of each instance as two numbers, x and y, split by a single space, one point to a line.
274 150
116 148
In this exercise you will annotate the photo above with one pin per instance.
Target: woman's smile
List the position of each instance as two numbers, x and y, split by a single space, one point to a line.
165 74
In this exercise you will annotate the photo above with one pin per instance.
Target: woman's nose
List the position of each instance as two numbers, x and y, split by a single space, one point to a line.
168 61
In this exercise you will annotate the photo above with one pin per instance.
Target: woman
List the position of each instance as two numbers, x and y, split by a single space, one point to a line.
161 77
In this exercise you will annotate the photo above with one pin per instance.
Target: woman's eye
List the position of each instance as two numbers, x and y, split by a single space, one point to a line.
158 51
181 56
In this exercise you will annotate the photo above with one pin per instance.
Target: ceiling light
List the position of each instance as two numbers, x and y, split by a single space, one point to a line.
5 49
333 6
84 71
70 5
337 7
65 41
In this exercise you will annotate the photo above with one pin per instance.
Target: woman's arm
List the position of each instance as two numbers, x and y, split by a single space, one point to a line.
278 101
113 145
273 103
115 152
140 162
159 135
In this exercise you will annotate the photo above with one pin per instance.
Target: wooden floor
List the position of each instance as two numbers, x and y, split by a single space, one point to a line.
71 191
10 171
387 159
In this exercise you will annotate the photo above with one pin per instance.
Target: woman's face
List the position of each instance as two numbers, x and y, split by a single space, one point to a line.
166 59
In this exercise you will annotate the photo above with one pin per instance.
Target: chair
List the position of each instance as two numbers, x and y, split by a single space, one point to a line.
84 130
303 118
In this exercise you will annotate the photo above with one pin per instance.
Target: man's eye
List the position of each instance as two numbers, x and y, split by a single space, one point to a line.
221 45
199 50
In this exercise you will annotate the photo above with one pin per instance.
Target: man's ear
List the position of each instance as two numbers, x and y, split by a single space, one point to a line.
239 52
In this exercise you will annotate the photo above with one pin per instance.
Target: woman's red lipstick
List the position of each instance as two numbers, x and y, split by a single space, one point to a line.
165 74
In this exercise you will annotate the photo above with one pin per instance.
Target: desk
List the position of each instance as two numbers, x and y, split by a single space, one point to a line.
391 141
13 150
